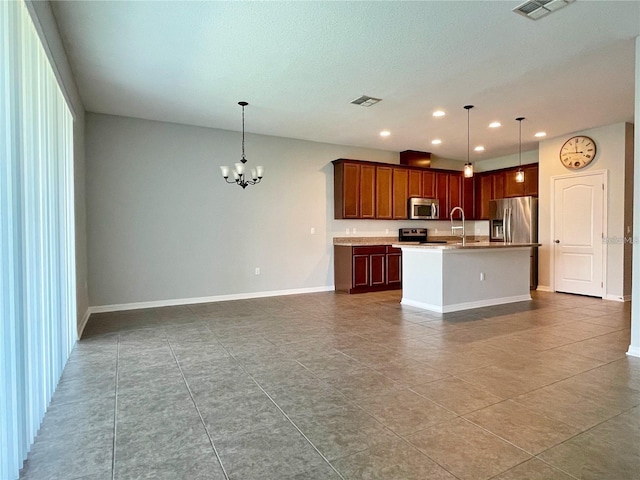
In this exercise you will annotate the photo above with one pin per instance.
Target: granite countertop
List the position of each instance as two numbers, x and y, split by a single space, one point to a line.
370 241
468 245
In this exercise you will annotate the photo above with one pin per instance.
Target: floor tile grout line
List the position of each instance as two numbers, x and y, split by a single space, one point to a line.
282 348
242 367
357 405
115 413
195 404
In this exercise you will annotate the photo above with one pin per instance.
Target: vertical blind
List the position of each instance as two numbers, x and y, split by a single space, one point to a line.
37 282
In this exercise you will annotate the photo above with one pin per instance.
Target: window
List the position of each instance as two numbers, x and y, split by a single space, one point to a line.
37 278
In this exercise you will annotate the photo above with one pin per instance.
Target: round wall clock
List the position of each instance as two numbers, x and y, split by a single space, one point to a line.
578 152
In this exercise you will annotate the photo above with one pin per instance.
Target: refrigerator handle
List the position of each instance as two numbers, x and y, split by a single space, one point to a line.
505 227
510 231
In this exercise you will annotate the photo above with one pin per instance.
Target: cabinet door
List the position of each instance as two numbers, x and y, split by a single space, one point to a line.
351 190
468 197
531 180
394 266
384 192
455 193
377 264
511 187
360 270
442 194
483 196
367 191
429 184
415 183
497 190
400 192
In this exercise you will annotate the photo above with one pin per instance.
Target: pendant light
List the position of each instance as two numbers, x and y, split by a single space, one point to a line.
520 172
468 167
239 170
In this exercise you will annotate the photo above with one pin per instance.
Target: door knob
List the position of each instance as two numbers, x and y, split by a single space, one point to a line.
557 241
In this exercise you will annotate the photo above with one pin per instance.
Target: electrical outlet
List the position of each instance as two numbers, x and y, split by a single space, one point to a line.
257 270
313 230
348 231
354 230
386 230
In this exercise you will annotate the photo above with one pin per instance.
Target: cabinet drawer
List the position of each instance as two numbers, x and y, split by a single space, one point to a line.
391 249
373 250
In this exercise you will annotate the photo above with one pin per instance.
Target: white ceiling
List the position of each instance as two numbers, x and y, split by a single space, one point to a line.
299 64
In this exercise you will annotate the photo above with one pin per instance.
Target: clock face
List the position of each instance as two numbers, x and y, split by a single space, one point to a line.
578 152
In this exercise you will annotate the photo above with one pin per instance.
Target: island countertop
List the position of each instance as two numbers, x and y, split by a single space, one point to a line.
468 245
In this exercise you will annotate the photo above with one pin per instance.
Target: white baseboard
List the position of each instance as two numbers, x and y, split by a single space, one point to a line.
617 298
83 321
633 351
466 306
195 300
544 288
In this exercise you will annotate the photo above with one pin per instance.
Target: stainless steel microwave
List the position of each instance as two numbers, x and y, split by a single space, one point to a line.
424 208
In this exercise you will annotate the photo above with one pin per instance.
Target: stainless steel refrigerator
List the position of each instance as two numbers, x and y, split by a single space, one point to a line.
515 220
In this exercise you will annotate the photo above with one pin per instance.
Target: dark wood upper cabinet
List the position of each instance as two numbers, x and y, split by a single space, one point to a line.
511 187
400 192
429 184
449 192
455 193
380 191
346 184
484 193
528 188
502 184
367 191
498 185
442 193
468 197
531 180
415 183
384 192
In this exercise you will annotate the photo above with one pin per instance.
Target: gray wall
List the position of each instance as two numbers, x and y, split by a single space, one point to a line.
48 30
163 225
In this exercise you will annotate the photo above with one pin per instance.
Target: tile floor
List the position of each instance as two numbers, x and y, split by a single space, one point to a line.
331 386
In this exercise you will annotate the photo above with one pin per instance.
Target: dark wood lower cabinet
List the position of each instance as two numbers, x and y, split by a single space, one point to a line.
367 268
394 267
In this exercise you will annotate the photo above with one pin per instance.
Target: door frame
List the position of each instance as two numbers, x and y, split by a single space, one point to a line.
604 174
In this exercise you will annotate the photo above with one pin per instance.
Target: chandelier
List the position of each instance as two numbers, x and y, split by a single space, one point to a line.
239 175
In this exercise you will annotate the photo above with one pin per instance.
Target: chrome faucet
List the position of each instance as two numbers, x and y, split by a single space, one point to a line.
457 227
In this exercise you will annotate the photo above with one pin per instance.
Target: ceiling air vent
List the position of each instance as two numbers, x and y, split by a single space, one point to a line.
365 101
535 9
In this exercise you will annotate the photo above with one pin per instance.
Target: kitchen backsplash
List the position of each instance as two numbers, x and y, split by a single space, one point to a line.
377 228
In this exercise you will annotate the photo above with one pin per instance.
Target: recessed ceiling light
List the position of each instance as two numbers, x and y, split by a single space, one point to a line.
438 113
541 134
385 133
479 148
436 141
495 125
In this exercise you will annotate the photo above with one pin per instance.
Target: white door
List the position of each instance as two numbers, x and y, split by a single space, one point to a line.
578 234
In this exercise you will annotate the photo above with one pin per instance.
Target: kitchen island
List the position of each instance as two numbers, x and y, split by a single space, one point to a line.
460 276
